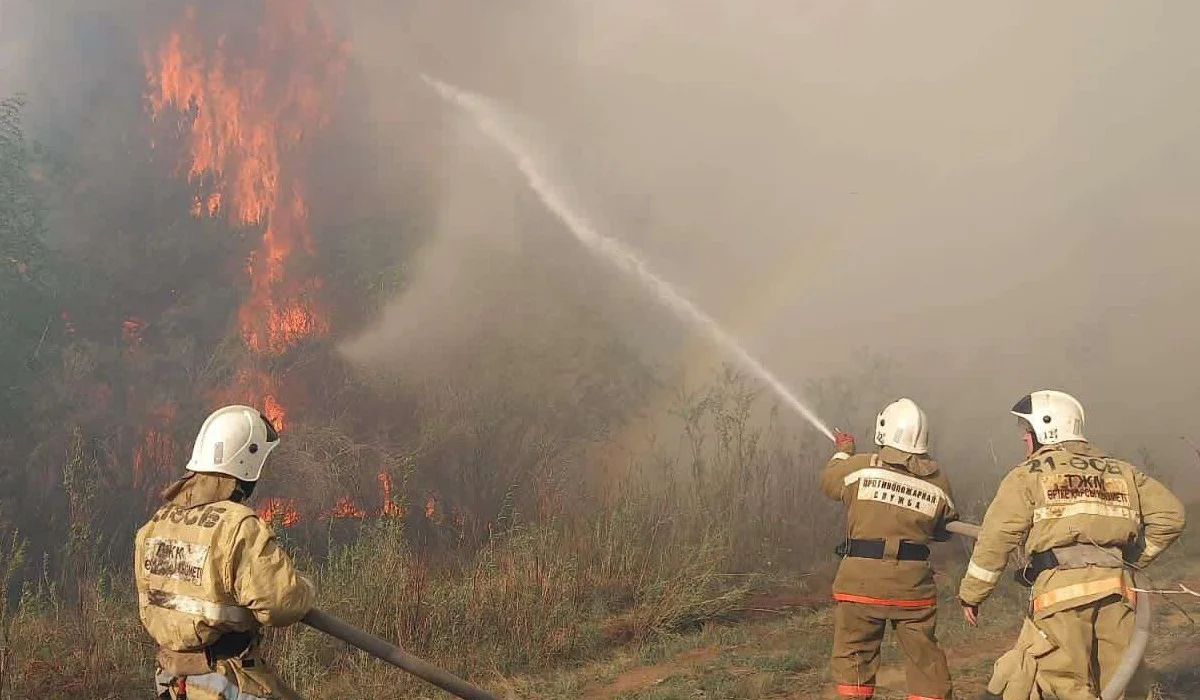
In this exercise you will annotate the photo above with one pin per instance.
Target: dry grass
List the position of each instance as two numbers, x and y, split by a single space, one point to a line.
788 657
567 590
93 648
564 570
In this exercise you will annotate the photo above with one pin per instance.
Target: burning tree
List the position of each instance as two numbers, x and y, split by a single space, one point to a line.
243 92
247 104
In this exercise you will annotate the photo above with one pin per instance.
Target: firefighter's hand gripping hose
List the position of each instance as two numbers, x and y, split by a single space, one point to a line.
1137 643
394 655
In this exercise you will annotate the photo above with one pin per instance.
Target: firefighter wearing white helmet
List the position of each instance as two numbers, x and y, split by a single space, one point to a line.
897 501
1084 517
210 574
903 426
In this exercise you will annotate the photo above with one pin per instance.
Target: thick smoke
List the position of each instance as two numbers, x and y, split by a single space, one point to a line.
995 196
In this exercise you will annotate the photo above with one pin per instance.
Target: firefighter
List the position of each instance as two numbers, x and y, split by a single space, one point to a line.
210 574
1084 516
897 501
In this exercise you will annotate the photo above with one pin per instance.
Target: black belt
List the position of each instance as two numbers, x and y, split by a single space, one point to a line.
230 646
1039 562
873 549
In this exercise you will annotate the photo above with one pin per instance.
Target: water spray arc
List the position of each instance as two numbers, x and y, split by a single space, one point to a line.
490 122
614 252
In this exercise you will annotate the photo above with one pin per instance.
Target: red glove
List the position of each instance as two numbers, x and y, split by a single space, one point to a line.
844 441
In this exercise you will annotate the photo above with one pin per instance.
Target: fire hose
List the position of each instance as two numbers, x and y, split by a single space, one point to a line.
1137 643
394 655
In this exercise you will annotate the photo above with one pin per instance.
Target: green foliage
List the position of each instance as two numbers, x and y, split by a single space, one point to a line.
27 311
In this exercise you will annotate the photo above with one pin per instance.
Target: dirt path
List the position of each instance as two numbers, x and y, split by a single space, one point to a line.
780 650
647 676
970 666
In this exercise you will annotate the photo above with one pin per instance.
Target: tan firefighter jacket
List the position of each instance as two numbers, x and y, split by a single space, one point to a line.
893 496
205 565
1073 494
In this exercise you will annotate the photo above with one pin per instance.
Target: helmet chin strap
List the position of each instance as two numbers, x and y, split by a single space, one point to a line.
244 490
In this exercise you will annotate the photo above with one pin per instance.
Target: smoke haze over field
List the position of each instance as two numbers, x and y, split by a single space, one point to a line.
996 196
993 195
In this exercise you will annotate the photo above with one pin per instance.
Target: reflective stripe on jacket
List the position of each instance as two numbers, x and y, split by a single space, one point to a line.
1069 494
893 496
208 569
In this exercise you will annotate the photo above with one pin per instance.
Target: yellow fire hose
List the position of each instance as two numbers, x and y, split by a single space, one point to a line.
1137 643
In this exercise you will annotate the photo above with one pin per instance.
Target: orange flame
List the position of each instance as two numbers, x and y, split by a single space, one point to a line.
432 509
255 388
279 511
248 111
390 508
345 508
274 411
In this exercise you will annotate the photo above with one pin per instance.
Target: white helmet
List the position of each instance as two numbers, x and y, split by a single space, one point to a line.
902 425
234 441
1052 415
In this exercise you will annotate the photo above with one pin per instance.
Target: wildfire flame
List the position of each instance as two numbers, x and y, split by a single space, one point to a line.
279 511
274 412
251 387
249 109
390 508
346 509
432 509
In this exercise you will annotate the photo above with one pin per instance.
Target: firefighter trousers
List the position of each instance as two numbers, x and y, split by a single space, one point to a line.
1075 657
858 635
230 679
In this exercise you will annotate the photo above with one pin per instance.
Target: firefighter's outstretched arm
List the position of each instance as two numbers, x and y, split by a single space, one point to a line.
1008 519
264 579
835 471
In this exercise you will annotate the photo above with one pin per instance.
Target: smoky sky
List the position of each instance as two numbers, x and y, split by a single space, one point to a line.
997 197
